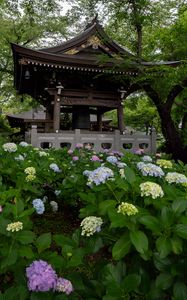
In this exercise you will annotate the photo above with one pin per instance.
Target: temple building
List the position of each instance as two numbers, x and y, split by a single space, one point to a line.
81 78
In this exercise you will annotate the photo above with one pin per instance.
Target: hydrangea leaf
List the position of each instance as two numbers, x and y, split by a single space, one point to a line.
139 240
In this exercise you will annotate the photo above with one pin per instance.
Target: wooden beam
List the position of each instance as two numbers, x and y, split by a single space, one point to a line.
94 102
99 121
56 113
121 125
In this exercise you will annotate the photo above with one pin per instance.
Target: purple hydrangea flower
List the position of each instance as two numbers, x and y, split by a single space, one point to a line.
64 285
41 276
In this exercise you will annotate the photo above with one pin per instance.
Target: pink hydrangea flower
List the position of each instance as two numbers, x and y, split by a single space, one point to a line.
95 158
139 151
64 285
70 151
79 145
75 158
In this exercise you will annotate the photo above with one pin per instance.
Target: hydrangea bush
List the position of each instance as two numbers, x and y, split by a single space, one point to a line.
126 238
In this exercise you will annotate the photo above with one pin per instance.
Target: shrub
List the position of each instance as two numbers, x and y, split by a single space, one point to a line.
119 233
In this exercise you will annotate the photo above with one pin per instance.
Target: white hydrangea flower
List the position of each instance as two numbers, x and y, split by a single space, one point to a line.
57 192
127 209
30 178
121 165
16 226
140 165
10 147
174 177
19 157
54 206
122 173
24 144
150 169
151 189
163 163
43 153
44 199
147 158
30 171
90 225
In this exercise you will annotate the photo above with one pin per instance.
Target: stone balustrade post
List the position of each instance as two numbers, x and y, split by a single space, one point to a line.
117 140
34 140
153 141
77 138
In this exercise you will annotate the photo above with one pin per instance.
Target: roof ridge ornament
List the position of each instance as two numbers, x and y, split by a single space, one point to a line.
92 22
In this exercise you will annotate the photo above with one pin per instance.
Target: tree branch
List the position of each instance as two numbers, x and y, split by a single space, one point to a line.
175 91
152 94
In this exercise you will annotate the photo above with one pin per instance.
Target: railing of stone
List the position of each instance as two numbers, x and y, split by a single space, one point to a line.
98 141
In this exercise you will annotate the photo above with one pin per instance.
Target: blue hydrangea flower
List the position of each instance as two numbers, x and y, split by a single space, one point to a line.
150 169
39 206
99 175
55 168
112 159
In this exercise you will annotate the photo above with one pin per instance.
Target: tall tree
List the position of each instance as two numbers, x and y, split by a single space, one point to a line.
29 23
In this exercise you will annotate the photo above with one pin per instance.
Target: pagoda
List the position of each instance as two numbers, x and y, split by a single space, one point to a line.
81 77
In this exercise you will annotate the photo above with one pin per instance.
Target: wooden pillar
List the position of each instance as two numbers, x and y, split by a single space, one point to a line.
99 121
56 113
121 125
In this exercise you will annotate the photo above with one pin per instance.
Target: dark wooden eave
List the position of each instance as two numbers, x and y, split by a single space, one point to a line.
50 58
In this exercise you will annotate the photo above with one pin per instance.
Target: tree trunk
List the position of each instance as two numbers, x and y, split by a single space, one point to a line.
138 28
174 144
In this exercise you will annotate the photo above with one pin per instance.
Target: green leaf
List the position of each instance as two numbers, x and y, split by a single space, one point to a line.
10 259
176 244
108 297
94 243
151 223
139 240
117 220
41 296
15 293
61 297
43 242
27 212
129 175
163 246
167 216
25 237
131 282
106 205
180 291
62 240
164 281
181 230
76 258
3 225
114 273
121 247
179 205
26 251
